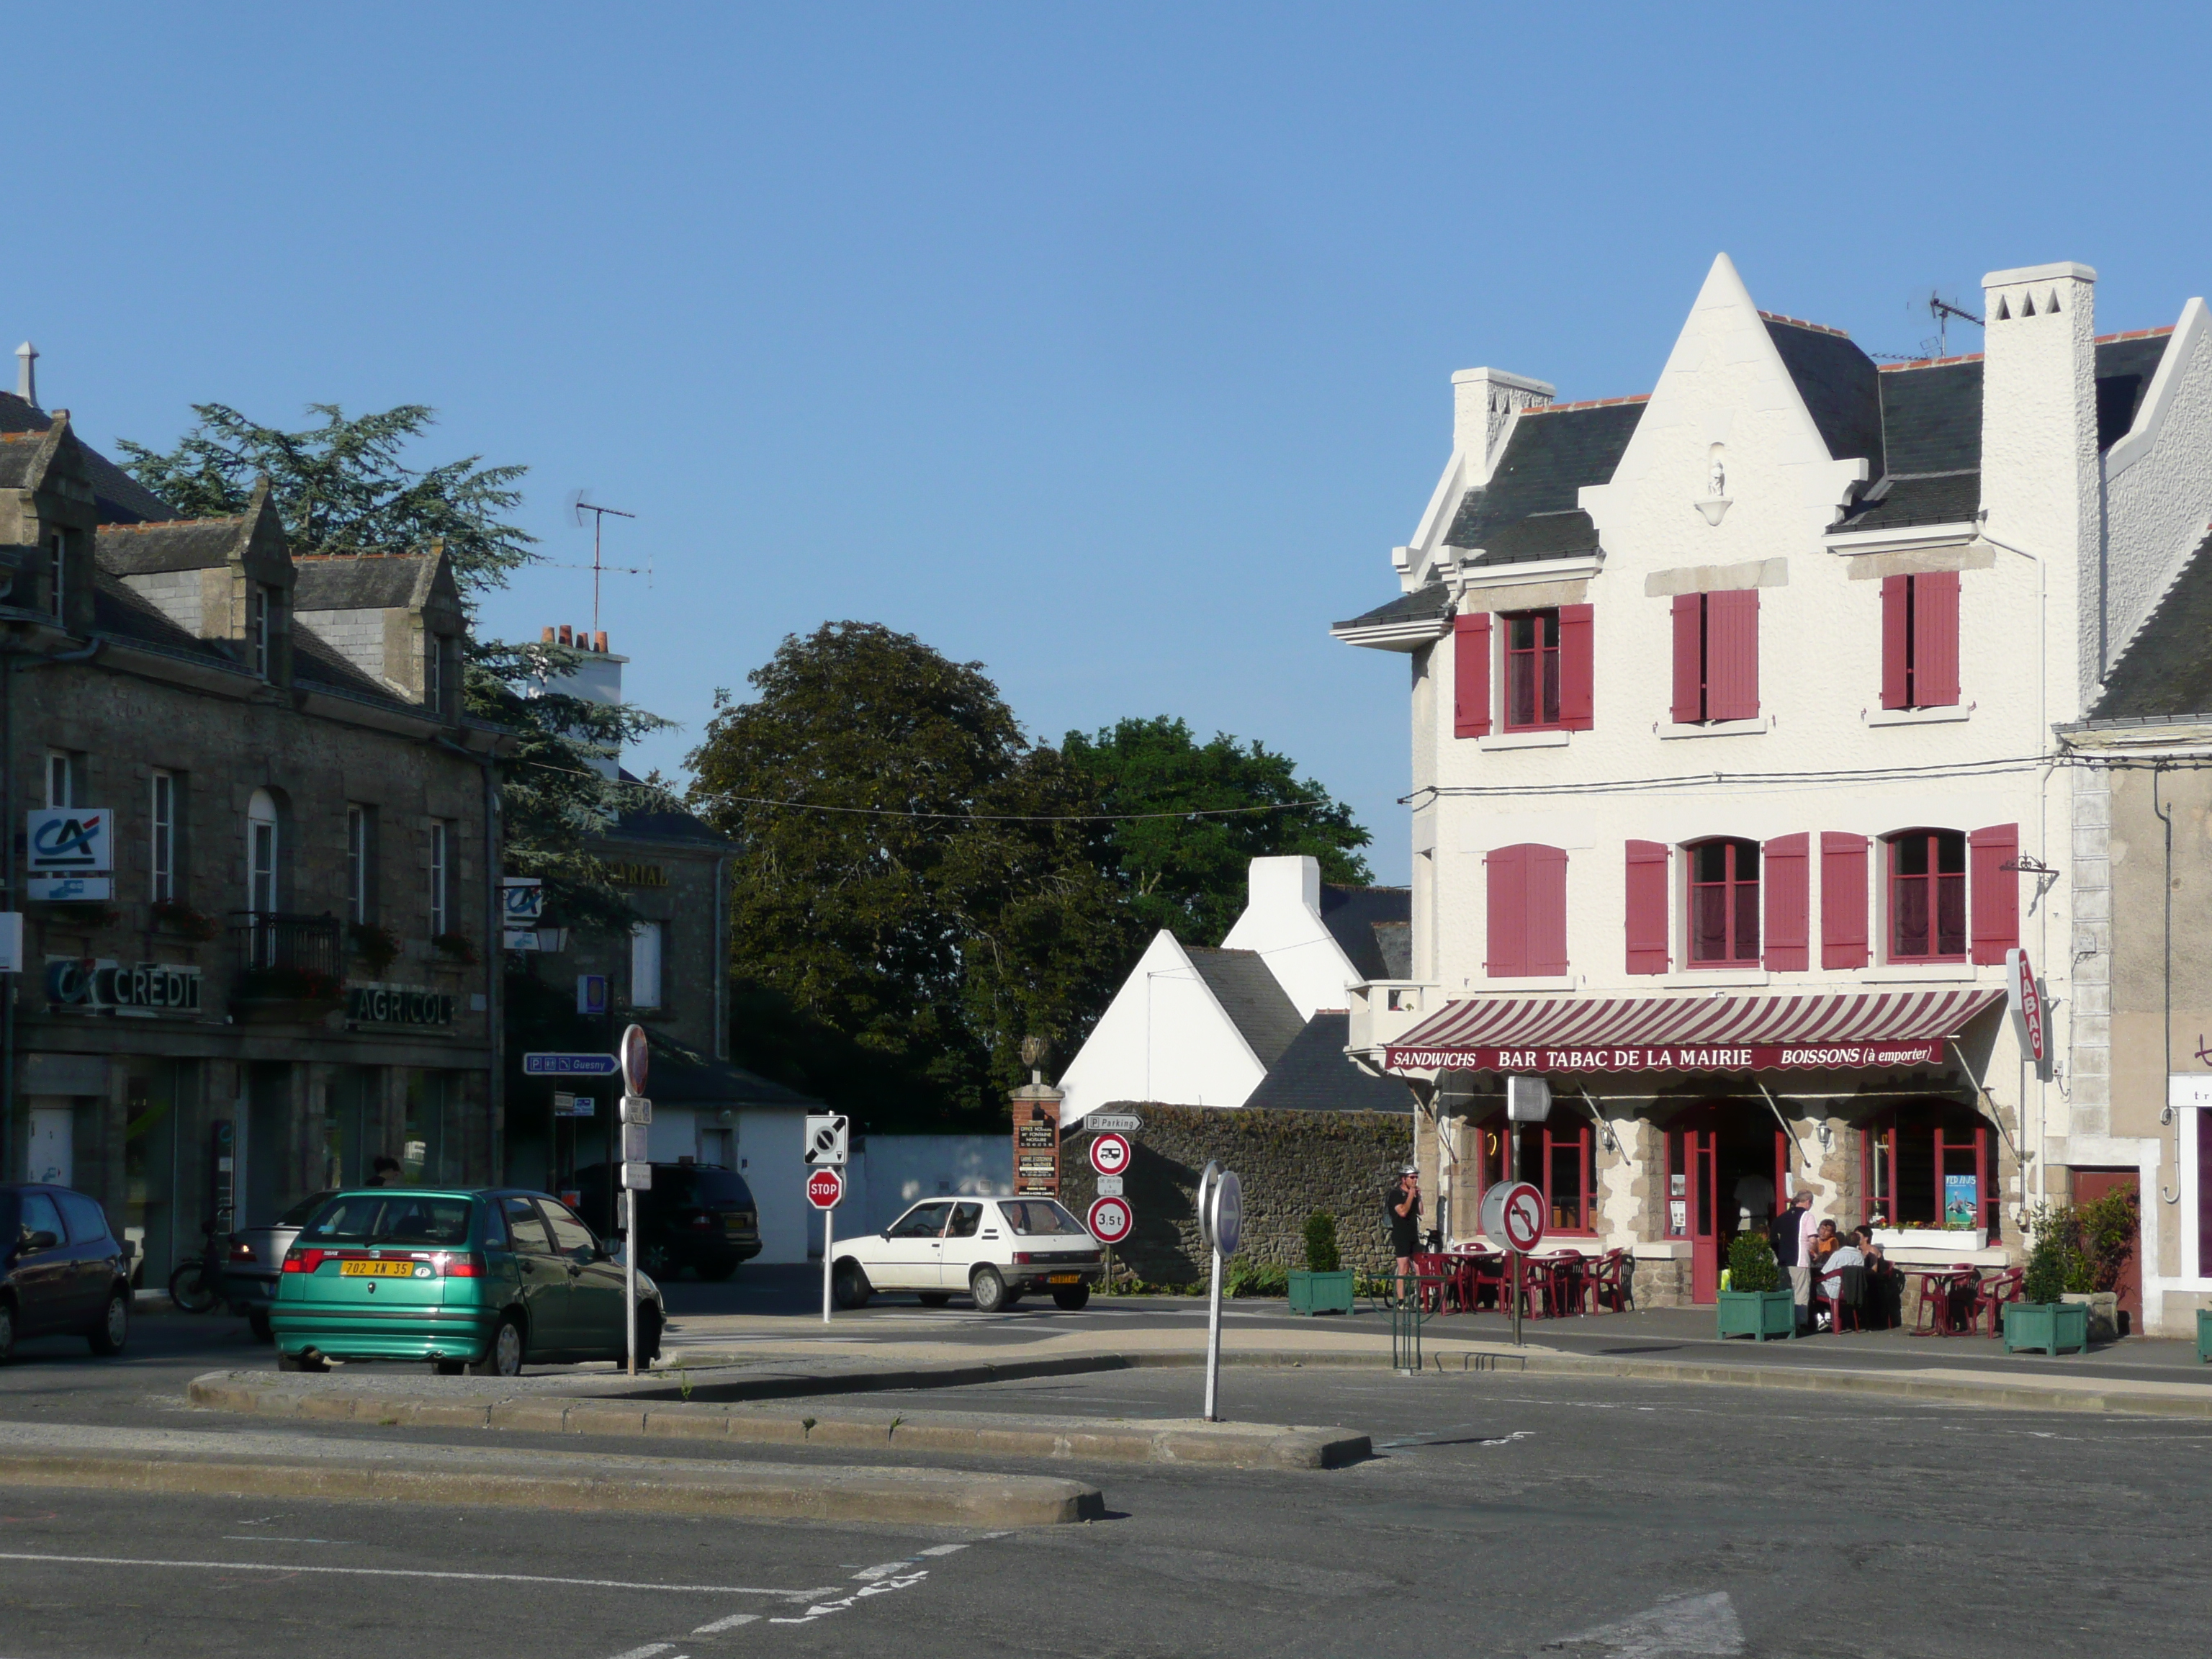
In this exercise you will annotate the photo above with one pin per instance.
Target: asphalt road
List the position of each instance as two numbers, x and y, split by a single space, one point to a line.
1505 1514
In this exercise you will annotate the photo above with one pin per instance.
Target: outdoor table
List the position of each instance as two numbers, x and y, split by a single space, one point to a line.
1937 1285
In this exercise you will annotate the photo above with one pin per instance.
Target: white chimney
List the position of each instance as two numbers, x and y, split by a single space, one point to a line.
26 373
1483 402
2040 475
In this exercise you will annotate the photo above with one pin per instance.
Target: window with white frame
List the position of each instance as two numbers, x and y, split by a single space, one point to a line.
61 778
161 837
645 953
259 603
59 545
442 850
359 835
433 673
262 851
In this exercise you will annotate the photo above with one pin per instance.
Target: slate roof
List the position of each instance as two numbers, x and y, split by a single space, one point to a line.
121 498
1252 998
138 549
1422 605
1315 1075
2165 668
681 1076
1552 454
122 614
2125 366
678 827
1356 918
316 663
1839 383
356 582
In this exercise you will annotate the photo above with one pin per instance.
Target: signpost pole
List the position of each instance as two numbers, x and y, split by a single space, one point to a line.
829 1235
1213 1339
629 1275
1513 1256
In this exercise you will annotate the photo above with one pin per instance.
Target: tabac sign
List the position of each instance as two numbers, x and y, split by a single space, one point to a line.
1668 1057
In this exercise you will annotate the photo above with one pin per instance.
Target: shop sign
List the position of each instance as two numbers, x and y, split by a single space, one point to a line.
68 841
397 1004
2025 997
108 987
1664 1057
637 875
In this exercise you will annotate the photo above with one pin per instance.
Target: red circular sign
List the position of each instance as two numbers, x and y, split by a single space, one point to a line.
1523 1218
1109 1154
1111 1220
824 1189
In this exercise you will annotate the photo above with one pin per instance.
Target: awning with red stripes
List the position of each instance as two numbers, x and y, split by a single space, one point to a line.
1837 1030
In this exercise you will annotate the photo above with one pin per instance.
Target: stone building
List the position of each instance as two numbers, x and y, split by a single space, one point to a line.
1737 801
253 852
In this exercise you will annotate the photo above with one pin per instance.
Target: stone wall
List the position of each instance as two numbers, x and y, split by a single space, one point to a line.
1289 1163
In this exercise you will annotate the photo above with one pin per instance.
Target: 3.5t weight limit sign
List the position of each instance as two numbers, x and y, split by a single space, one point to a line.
1111 1220
1109 1154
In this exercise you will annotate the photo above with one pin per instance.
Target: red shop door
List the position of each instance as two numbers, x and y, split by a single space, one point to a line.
1710 1151
2089 1186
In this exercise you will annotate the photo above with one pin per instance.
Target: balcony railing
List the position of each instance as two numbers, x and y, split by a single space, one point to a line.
270 939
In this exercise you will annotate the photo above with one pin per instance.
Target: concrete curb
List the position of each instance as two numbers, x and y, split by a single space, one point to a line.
997 1434
753 1492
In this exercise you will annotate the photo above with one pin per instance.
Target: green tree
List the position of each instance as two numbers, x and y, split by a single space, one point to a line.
1188 874
936 897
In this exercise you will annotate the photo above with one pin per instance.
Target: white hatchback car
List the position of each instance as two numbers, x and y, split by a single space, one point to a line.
997 1250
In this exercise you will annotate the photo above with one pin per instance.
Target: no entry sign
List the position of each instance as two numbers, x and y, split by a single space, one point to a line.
1109 1154
824 1189
1513 1212
1111 1220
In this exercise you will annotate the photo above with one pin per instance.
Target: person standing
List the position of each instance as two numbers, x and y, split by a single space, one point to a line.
1793 1230
1402 1206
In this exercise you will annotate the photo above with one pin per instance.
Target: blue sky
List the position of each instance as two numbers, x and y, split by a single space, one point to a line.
1109 346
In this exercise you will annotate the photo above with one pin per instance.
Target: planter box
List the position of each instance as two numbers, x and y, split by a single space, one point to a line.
1320 1293
1758 1314
1932 1238
2203 1334
2047 1326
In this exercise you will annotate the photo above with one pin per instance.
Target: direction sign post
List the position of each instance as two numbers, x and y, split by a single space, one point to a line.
826 1190
1221 1223
636 1170
550 1065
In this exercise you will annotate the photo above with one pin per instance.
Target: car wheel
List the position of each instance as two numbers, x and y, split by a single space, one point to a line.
263 1330
933 1299
7 1332
305 1360
190 1290
848 1285
504 1354
988 1289
660 1263
648 1335
115 1327
1071 1298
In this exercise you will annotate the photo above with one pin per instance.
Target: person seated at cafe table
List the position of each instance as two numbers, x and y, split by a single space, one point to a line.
1885 1298
1824 1242
1845 1254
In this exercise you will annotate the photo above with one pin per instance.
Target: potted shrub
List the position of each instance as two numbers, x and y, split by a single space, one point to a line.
1325 1285
375 944
458 949
1757 1304
2041 1319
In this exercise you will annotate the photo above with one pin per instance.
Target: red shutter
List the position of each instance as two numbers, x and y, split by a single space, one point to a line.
1993 893
1935 640
1471 675
1842 900
1547 910
1576 675
1786 886
1689 658
1507 871
1647 908
1896 594
1732 655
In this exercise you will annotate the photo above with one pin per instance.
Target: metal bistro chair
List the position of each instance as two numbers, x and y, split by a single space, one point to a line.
1989 1297
1570 1284
1937 1315
1610 1282
1436 1276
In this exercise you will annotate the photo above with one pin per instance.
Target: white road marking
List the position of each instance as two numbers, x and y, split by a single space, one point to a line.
269 1538
413 1572
730 1623
1680 1625
867 1575
647 1651
948 1549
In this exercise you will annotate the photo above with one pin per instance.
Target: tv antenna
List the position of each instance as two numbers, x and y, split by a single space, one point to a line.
579 506
1944 311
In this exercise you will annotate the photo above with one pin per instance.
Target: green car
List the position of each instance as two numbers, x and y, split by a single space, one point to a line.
480 1281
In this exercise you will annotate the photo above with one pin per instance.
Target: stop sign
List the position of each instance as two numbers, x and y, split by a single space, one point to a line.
824 1188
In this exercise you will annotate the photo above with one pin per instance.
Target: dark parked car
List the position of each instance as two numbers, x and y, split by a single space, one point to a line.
255 1261
699 1216
62 1272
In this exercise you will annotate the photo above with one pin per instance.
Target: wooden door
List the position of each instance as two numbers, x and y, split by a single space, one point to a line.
1692 1211
2089 1186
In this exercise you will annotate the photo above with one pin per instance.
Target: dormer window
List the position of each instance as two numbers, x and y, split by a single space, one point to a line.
260 601
433 673
58 542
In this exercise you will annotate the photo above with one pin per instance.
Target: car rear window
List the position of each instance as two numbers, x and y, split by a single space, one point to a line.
87 1222
1031 1216
723 1188
397 1218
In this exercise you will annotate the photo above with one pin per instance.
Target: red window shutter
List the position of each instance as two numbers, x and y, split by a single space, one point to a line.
1896 594
1576 669
1993 893
1689 658
1471 675
1842 900
1507 872
1647 906
1732 655
1785 882
1547 910
1935 640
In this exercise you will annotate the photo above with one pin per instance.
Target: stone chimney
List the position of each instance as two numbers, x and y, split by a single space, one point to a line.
27 373
1483 403
2040 474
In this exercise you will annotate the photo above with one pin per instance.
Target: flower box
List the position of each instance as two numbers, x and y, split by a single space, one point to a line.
1320 1293
2051 1327
1758 1314
1932 1238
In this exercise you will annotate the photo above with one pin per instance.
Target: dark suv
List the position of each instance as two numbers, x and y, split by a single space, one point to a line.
61 1271
699 1216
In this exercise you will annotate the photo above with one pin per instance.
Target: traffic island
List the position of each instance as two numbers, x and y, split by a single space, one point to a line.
1001 1434
302 1468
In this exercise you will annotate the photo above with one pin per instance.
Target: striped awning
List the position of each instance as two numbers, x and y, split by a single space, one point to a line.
1835 1030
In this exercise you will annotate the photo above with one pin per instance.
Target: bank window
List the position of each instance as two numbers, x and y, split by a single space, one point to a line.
1557 1157
1724 908
442 846
1928 896
644 948
1931 1166
61 778
161 837
360 836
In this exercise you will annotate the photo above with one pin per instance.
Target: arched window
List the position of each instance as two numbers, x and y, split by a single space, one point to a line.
1928 896
1723 907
